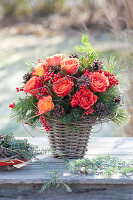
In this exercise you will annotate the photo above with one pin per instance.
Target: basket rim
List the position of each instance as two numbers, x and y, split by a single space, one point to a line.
92 120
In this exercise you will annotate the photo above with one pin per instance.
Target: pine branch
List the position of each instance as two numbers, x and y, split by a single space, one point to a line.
30 64
122 117
25 109
118 69
109 98
17 147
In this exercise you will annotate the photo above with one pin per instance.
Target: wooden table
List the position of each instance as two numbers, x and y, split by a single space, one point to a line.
25 183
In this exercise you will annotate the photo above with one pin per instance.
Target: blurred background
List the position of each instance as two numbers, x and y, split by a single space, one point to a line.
30 29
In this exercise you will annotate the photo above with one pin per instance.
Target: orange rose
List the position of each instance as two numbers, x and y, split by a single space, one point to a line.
39 69
99 82
55 60
31 86
63 86
71 65
45 104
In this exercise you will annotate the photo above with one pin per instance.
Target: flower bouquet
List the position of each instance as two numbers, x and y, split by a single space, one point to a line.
70 95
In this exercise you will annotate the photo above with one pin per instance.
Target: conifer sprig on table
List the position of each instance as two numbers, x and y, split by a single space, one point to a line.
105 166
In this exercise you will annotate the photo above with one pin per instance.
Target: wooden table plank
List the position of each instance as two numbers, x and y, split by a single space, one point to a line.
35 173
25 183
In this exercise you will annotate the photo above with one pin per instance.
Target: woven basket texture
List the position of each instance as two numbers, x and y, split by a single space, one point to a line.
70 142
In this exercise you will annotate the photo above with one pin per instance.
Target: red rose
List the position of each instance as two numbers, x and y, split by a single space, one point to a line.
99 82
71 65
84 98
63 86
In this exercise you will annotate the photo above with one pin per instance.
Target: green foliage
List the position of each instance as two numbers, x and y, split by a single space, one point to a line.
89 52
121 117
127 171
111 65
54 176
25 110
109 98
55 181
87 48
16 147
74 115
30 64
101 165
114 67
111 171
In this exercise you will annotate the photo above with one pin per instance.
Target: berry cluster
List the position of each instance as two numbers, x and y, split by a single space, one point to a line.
86 72
56 77
43 120
44 91
87 112
112 80
19 89
12 105
38 96
39 82
48 76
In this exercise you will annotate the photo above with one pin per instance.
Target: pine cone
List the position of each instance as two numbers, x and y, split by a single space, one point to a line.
83 80
26 77
58 111
2 138
55 69
101 109
118 100
4 153
96 65
73 56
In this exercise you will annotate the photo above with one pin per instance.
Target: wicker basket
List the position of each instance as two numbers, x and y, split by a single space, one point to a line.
71 143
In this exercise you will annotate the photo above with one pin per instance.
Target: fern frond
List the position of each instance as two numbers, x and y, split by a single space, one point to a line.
87 48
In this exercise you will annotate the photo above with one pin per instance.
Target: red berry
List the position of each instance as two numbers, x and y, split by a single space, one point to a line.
100 71
106 73
37 96
17 89
12 105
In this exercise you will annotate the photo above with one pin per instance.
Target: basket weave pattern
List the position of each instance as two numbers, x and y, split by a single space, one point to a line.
72 144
